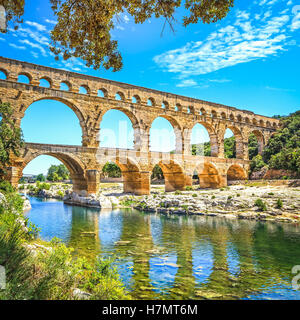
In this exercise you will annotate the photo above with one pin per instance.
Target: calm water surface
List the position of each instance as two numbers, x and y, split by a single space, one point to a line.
179 257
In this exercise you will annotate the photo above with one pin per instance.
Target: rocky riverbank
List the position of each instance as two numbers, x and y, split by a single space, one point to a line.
254 200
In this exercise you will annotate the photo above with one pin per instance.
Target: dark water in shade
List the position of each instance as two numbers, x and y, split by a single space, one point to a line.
179 257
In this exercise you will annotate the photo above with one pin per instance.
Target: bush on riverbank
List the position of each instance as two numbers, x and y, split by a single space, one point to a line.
48 271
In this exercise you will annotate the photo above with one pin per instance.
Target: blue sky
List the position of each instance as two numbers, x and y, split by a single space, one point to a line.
249 60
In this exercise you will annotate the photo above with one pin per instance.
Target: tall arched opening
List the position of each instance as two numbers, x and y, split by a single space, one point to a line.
50 121
200 141
233 143
165 135
116 130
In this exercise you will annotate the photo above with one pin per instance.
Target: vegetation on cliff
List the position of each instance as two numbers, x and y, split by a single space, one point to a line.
11 137
283 148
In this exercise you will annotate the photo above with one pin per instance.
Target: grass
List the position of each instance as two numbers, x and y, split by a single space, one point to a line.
261 205
52 273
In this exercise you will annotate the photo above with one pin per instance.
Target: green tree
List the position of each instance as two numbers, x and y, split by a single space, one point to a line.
11 137
58 173
283 148
157 173
83 28
112 170
230 147
40 177
252 146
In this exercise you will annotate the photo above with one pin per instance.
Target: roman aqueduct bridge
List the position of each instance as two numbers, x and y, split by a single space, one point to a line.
142 106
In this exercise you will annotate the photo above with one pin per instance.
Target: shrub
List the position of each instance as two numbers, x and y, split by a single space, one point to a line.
261 205
189 188
213 197
194 195
279 204
177 192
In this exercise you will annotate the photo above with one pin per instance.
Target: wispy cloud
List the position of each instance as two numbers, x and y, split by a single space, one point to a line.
187 83
219 80
50 21
249 36
35 46
279 89
17 47
38 26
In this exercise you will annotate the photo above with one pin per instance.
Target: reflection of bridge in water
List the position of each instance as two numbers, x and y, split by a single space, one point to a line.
194 257
142 106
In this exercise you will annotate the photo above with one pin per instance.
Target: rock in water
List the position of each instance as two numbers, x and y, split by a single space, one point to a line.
88 201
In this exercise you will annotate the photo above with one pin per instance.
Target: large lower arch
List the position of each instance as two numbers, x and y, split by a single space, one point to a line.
208 176
173 175
236 172
75 167
134 179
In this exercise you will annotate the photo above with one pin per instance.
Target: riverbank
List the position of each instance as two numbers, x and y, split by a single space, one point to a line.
254 200
45 270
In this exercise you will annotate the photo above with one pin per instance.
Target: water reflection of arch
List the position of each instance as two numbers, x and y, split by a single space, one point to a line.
137 228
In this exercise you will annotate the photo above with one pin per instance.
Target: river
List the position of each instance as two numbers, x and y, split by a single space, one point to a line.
179 257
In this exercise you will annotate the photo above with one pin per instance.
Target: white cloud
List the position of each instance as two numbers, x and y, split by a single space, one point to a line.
35 46
219 80
38 26
50 21
187 83
244 40
296 20
17 47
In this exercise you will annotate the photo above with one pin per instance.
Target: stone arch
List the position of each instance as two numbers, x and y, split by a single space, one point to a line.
223 115
231 117
48 80
177 131
134 181
208 175
214 114
214 146
104 92
202 112
68 103
239 145
165 105
134 122
26 74
260 139
151 102
173 174
178 107
67 83
261 123
236 172
121 95
137 98
74 165
4 72
86 88
191 109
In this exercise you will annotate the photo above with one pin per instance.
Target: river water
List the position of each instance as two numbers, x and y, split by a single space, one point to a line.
179 257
